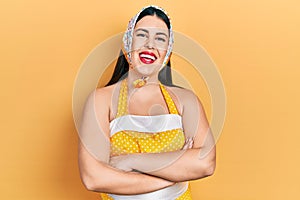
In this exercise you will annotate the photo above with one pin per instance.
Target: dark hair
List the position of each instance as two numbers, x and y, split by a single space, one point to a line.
122 66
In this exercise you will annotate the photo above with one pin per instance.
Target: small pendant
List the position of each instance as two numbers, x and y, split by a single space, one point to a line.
140 82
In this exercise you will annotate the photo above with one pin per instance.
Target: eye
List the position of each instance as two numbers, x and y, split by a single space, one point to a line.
161 39
141 35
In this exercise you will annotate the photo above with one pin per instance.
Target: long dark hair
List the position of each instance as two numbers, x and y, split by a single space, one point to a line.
122 66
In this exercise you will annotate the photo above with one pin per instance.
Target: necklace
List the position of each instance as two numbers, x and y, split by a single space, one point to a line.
140 82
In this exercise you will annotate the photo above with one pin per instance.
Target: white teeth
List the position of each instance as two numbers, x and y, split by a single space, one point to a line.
147 56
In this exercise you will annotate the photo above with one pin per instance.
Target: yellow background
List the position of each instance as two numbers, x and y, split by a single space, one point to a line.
254 44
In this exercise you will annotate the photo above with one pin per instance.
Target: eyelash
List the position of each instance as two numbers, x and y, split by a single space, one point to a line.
144 35
161 39
141 34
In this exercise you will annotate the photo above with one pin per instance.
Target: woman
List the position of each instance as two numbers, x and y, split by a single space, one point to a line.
157 131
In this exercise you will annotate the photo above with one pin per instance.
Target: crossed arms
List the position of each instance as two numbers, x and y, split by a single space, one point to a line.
152 171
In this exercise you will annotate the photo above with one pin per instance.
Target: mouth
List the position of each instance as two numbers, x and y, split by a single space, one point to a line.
147 57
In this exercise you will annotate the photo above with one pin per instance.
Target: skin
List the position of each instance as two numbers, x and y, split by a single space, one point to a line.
148 35
118 176
152 36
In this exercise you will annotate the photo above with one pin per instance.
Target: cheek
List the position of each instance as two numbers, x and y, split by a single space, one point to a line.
162 46
162 54
137 44
134 57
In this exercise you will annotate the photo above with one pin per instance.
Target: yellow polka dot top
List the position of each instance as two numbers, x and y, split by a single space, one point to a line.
145 134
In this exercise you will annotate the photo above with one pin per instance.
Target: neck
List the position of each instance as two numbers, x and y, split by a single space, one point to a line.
132 76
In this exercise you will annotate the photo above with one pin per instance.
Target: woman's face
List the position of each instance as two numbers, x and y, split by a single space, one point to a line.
149 45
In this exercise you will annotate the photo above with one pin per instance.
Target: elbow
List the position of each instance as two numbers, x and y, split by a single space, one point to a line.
92 184
88 182
209 169
209 165
206 169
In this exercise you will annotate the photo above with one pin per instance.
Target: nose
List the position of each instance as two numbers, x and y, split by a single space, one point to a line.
149 43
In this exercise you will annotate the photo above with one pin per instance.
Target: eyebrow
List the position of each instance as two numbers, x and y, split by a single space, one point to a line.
141 29
161 33
145 30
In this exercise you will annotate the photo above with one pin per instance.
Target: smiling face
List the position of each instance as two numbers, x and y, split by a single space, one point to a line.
149 45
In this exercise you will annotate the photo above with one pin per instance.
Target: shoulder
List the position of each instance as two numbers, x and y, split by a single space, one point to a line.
186 98
101 97
103 92
182 94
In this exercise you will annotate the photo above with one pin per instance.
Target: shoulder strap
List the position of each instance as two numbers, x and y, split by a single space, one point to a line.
122 101
170 103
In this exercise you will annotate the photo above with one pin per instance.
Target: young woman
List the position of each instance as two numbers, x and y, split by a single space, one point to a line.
159 134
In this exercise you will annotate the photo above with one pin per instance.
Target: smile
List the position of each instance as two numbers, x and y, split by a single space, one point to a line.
147 57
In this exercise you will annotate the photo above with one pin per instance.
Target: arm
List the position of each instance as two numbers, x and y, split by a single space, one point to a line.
95 173
187 162
100 177
195 163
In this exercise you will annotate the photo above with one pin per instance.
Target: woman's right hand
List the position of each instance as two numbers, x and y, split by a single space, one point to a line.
189 142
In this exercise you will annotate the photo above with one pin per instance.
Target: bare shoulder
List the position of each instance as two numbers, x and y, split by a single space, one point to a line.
99 99
184 98
106 98
104 91
104 94
182 94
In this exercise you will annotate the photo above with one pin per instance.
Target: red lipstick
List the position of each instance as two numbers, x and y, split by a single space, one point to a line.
147 57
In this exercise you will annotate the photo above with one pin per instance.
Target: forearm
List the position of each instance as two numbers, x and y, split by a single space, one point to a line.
99 176
115 181
188 167
174 166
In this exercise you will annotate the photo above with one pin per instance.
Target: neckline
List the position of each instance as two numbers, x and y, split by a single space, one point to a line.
122 109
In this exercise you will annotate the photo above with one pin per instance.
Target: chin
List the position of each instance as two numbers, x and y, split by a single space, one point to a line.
148 69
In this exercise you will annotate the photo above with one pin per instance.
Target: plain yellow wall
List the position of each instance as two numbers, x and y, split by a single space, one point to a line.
254 44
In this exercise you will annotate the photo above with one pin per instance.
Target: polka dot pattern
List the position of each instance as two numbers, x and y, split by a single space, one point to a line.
126 142
106 197
130 141
168 99
122 103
